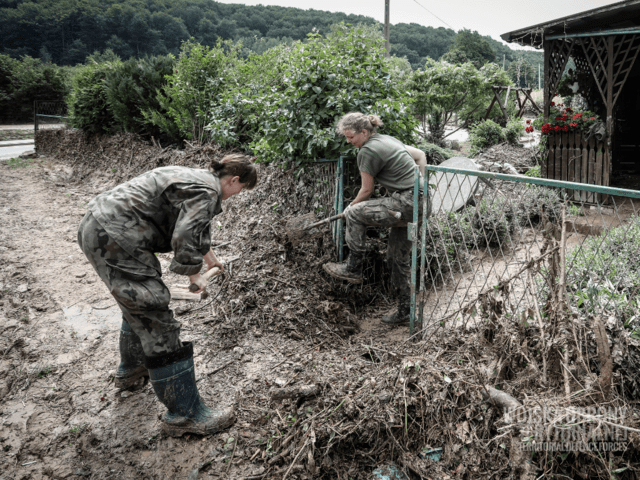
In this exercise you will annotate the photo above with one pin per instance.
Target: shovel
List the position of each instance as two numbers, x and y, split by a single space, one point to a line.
306 226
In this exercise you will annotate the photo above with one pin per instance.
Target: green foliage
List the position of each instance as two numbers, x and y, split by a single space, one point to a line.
436 154
604 273
130 90
200 76
443 90
513 130
494 221
88 105
484 135
323 80
447 238
237 115
68 30
24 81
472 46
535 172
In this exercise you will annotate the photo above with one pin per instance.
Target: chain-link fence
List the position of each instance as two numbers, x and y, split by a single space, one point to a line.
508 245
49 115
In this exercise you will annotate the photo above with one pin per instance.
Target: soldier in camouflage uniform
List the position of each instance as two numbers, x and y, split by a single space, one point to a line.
165 209
384 159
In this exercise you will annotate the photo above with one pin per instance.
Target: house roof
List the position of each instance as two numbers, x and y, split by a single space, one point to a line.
621 17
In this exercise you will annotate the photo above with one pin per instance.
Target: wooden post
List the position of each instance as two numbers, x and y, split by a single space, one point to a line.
608 152
387 45
546 92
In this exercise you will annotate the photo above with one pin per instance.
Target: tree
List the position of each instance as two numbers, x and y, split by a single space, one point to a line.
443 90
474 46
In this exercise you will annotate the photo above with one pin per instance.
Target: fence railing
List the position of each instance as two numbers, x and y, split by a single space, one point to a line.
49 115
501 250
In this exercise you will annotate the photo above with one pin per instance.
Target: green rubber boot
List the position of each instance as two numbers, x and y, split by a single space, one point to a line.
174 381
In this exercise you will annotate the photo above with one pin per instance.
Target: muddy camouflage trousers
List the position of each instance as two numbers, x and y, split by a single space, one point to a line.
140 292
395 212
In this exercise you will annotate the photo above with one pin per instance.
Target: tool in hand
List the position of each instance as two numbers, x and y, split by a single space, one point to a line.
187 293
306 227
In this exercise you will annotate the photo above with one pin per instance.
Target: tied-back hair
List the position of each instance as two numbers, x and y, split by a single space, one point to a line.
236 165
356 122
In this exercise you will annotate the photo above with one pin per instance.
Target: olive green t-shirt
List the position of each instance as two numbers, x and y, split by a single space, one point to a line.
388 162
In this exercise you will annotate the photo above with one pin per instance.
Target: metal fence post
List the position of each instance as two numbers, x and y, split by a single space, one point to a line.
35 116
412 232
423 239
340 208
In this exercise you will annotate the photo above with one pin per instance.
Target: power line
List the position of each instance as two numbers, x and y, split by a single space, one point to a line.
434 15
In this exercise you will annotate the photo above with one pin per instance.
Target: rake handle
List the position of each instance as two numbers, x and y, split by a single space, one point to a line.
326 220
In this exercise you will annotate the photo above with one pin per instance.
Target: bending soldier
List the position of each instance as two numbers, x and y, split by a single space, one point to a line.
169 208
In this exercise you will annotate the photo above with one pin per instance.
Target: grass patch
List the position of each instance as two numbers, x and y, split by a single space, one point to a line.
19 162
6 135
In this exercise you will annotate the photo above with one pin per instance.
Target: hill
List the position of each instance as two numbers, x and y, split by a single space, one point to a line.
66 31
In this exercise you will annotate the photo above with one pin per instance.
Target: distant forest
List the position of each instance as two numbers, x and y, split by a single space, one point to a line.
65 32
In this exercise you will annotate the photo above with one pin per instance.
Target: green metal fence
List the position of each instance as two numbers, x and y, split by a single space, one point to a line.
496 243
51 114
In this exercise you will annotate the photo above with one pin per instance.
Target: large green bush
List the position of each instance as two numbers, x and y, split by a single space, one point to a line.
88 105
200 77
130 89
324 79
484 135
24 81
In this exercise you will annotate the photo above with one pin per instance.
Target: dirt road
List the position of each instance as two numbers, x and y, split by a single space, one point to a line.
60 415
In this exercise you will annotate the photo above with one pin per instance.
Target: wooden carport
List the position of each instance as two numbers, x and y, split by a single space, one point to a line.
604 44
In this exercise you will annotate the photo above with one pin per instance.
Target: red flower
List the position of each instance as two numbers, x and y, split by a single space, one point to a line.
577 115
568 110
565 128
592 118
553 104
556 128
564 118
574 124
558 118
528 122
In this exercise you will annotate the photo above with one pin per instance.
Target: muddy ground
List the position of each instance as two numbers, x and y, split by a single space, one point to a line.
321 389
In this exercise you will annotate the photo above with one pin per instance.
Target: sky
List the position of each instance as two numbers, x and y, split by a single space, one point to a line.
488 17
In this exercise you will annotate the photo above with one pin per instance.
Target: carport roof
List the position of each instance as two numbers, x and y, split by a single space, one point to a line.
621 17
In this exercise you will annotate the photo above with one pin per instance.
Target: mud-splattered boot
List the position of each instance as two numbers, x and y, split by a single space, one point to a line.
401 314
349 270
174 381
131 367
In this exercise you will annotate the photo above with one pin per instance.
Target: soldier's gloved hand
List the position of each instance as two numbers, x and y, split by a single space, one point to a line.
199 281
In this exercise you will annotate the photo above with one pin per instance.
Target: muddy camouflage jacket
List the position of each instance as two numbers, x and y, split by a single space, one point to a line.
169 208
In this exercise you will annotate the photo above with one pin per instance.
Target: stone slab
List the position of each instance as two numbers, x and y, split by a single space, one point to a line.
453 191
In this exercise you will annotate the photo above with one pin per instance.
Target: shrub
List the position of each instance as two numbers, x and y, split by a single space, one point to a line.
484 135
130 89
88 105
537 202
24 81
604 273
436 154
200 76
447 236
513 130
494 222
325 78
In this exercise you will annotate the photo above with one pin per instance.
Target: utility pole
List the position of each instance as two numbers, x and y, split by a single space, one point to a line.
387 46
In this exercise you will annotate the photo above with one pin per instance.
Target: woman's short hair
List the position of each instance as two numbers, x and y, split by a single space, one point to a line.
356 122
236 165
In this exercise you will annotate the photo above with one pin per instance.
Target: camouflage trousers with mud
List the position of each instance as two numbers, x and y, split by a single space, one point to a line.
137 288
394 212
